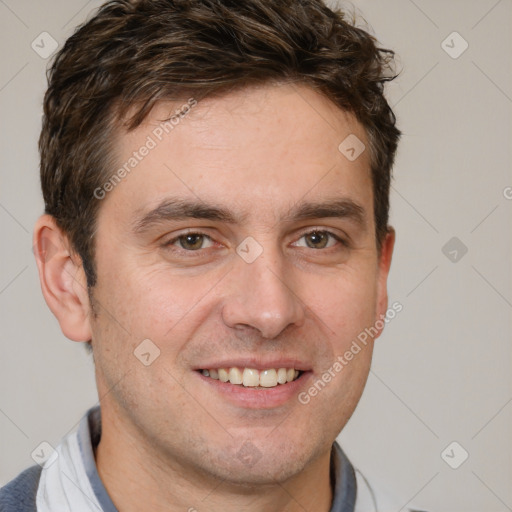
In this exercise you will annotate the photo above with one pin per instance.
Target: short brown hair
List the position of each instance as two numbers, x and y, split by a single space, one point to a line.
133 53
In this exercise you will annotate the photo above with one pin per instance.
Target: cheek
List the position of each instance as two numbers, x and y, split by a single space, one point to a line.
143 303
137 297
346 304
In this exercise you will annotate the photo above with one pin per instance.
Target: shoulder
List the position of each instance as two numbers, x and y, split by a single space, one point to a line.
19 495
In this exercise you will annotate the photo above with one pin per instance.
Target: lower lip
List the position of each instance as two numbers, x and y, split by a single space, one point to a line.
257 398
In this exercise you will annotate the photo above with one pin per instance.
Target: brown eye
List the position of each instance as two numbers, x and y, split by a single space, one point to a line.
190 241
317 239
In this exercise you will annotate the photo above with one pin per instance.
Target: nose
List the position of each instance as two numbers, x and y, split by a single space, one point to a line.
261 297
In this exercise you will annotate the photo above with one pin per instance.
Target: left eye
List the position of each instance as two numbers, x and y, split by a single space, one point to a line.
191 241
319 240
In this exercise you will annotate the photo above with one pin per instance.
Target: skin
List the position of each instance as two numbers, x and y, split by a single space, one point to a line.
170 439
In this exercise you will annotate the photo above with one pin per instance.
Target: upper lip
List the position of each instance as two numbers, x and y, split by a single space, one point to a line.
256 363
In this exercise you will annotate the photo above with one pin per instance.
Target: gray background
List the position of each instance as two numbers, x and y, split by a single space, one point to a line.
442 369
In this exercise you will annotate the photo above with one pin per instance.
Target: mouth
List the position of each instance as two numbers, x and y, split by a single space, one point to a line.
252 377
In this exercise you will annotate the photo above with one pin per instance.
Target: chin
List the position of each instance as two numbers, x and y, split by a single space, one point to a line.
251 466
260 474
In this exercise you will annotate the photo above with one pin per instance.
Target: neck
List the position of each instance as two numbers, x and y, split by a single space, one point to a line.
137 478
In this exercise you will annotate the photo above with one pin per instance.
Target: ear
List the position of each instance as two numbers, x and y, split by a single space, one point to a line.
62 277
384 263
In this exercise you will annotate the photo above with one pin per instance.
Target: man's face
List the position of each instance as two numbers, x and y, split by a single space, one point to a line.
279 270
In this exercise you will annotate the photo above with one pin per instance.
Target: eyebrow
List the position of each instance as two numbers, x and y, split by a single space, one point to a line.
174 209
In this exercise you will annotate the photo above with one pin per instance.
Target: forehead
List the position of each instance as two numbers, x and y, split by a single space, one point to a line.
264 147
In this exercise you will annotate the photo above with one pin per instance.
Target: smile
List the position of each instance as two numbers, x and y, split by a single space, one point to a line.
253 378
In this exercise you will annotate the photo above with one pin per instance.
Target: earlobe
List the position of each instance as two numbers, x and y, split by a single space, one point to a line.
62 278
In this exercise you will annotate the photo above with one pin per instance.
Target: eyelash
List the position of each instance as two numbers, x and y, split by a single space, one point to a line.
330 234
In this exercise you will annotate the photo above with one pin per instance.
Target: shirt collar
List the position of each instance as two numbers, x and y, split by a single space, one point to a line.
89 433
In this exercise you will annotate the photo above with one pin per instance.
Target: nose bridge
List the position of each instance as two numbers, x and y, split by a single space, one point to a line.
262 294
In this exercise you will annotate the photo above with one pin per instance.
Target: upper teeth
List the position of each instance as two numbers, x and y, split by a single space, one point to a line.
251 377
